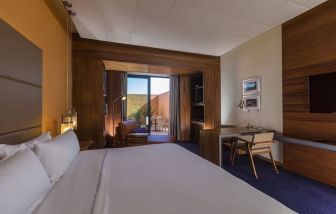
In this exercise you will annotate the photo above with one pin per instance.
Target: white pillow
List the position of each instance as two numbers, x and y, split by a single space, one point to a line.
6 150
57 154
23 180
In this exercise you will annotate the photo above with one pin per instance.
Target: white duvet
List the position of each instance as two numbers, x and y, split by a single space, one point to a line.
153 179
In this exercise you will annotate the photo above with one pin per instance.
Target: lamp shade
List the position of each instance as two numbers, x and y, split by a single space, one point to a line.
66 126
69 121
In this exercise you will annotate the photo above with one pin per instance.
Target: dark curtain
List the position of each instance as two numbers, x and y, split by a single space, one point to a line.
174 107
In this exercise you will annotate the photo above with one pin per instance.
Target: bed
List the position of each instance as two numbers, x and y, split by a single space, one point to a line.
152 179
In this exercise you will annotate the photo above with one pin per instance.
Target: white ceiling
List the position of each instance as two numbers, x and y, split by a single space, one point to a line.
210 27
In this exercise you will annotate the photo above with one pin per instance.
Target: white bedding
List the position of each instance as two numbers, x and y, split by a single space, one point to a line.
153 179
75 192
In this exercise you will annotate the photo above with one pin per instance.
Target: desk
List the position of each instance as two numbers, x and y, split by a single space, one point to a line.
211 141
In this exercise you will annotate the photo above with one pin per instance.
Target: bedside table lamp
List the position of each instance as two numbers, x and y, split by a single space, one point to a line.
69 121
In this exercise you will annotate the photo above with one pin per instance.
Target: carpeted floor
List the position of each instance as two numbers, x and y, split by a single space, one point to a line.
299 193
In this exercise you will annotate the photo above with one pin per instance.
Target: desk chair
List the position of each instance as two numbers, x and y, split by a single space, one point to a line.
255 144
227 142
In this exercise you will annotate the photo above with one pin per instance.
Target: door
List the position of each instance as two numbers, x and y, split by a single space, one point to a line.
138 100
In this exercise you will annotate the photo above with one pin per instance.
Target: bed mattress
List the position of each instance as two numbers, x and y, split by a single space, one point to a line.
152 179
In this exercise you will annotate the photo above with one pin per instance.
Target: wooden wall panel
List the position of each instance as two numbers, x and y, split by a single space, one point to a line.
297 160
88 99
212 99
178 62
185 107
143 55
209 146
309 48
114 90
310 38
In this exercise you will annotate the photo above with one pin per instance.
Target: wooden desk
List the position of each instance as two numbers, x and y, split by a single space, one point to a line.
211 141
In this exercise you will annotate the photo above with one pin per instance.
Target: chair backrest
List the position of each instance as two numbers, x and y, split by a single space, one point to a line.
263 137
126 127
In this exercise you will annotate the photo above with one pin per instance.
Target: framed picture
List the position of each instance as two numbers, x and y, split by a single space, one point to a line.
252 102
251 86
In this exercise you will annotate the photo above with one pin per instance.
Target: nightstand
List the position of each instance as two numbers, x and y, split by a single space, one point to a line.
85 145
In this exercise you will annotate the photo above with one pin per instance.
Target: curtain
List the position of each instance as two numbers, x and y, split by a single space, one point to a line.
174 107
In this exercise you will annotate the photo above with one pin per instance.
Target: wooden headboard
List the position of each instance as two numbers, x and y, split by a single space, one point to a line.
20 87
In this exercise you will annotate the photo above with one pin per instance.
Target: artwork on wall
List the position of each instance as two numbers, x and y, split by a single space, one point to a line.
252 94
252 102
251 86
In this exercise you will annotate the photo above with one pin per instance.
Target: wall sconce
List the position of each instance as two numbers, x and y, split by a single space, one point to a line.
242 105
69 121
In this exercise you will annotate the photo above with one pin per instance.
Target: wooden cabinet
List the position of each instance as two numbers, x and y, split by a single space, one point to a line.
195 129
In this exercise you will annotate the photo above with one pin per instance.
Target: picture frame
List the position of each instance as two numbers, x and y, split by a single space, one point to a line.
252 86
252 102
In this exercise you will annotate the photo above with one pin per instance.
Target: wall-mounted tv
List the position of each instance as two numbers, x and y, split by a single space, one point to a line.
322 93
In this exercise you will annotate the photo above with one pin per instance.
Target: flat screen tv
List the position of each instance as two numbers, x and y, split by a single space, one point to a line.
322 93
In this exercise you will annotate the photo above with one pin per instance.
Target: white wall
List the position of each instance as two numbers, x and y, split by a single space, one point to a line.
261 56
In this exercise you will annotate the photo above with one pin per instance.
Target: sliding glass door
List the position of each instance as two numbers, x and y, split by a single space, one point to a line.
138 100
148 103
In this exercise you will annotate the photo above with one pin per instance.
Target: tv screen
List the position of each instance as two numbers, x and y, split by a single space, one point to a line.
322 93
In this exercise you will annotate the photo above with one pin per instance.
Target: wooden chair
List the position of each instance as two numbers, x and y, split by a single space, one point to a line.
165 126
255 144
227 142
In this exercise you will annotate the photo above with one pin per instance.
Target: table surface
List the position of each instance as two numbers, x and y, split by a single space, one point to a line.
236 131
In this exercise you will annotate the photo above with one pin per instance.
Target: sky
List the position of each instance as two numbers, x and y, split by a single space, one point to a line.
139 86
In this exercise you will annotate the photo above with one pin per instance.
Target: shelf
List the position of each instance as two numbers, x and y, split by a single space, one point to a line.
197 122
198 87
198 104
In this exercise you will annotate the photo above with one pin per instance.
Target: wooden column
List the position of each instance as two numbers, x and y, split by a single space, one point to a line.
114 90
185 107
88 99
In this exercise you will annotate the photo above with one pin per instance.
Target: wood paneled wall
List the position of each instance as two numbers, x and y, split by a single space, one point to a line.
143 55
92 50
319 164
115 81
88 99
309 48
185 107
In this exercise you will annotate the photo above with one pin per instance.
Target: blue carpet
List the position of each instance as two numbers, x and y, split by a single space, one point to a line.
299 193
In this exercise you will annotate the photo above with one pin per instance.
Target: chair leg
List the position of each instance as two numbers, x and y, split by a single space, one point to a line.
233 151
274 165
252 161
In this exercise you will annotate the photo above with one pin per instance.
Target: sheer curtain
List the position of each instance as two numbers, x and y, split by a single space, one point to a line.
174 107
